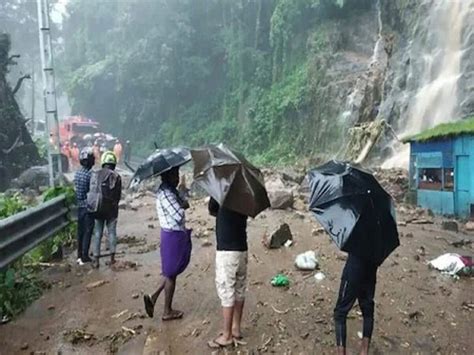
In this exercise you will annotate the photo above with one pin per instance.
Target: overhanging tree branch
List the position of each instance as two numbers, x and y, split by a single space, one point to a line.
14 145
10 60
19 82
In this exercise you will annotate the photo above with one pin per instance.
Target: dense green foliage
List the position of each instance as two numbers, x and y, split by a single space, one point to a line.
193 72
18 288
20 284
67 191
11 205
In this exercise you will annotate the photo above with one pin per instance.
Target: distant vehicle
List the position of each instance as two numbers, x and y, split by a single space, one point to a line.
39 129
74 128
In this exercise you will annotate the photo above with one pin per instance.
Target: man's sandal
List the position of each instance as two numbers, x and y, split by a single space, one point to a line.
214 344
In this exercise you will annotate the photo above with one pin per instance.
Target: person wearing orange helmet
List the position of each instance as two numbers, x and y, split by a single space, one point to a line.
118 150
66 151
96 150
75 155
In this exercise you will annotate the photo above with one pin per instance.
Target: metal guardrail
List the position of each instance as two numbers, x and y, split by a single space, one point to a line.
23 231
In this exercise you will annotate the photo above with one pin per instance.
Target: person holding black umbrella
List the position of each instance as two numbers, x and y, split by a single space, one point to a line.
237 191
175 246
357 283
231 270
359 216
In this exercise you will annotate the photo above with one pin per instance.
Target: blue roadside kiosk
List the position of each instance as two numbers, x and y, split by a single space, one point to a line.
442 168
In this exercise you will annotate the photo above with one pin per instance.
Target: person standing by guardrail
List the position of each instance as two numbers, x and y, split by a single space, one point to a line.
85 222
103 201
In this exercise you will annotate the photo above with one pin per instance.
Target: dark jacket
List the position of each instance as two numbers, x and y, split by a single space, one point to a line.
111 187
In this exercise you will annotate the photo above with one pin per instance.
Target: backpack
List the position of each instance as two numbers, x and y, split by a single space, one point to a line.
104 189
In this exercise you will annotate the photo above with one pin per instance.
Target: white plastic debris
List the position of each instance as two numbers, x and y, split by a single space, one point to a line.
319 276
359 334
450 263
307 261
288 243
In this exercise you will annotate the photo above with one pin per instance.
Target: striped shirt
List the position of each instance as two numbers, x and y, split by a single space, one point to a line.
168 206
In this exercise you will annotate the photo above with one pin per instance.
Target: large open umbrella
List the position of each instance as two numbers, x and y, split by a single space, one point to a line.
230 179
356 212
159 162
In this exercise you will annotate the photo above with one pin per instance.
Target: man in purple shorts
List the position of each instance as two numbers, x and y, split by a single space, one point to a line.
175 247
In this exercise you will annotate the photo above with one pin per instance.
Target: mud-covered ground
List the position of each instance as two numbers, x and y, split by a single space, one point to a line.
418 310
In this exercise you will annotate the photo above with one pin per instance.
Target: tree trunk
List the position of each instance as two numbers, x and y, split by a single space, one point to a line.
17 150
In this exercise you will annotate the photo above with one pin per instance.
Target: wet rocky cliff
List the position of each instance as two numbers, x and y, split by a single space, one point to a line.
409 63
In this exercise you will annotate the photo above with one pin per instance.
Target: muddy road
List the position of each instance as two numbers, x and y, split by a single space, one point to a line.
86 311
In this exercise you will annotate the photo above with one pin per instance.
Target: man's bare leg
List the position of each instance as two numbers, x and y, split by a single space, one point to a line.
364 349
226 336
169 313
150 301
237 319
161 287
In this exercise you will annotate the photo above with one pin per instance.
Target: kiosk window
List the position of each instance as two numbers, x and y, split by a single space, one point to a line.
430 179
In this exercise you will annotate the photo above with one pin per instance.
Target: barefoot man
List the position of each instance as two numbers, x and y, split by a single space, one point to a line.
175 246
231 271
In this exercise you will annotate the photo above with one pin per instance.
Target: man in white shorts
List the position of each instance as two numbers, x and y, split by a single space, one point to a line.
231 271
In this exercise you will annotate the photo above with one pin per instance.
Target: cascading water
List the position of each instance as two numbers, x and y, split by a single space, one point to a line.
448 28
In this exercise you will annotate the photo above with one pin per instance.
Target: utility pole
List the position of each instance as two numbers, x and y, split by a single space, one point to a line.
33 123
49 88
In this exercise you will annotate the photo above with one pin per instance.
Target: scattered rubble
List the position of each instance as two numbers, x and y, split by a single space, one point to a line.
291 175
461 243
131 240
469 226
77 336
122 265
280 196
147 249
281 199
300 205
206 243
119 314
96 284
421 221
450 226
119 338
394 181
33 178
279 237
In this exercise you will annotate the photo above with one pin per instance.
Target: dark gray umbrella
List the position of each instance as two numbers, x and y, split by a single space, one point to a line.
230 179
159 162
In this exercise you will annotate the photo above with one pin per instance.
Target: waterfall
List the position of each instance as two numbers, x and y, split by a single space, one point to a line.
436 99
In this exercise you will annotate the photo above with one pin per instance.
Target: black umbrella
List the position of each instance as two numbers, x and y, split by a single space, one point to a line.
230 179
159 162
356 212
